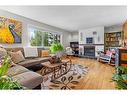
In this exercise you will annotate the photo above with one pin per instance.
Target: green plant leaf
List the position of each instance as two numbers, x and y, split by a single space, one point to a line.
124 76
122 70
7 82
120 77
121 85
117 77
5 66
55 47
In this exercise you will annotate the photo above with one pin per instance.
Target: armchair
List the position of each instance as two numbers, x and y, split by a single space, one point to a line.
69 51
106 57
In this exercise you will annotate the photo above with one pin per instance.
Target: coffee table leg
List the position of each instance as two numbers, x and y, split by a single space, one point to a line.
54 74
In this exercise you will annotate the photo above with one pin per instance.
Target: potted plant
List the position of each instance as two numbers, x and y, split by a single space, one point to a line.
57 49
6 82
120 77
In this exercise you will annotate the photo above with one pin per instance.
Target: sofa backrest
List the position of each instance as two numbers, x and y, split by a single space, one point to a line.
22 50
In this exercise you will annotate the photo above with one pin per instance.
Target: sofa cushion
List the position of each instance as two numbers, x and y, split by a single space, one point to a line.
41 60
29 62
29 79
17 69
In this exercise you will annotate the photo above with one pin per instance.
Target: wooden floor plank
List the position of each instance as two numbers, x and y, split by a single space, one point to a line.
99 75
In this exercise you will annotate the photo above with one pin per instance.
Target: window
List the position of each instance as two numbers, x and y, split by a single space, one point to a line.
39 37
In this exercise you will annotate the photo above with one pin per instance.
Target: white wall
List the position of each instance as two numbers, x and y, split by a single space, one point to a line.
74 37
113 28
98 38
26 21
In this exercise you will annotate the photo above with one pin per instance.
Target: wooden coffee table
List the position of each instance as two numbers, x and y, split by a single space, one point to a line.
57 69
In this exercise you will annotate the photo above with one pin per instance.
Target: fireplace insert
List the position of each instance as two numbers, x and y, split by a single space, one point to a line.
89 51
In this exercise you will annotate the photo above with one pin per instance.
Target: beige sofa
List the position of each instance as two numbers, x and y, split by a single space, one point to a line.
23 75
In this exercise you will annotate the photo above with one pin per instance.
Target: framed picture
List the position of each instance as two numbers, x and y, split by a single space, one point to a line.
89 40
10 31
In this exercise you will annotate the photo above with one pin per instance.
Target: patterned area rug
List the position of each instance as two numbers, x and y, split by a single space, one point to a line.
67 81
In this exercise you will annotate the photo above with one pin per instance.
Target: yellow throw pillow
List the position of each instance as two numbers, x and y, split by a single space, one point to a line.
45 53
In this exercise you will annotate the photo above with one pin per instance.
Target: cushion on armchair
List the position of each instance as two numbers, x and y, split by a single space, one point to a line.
108 53
105 57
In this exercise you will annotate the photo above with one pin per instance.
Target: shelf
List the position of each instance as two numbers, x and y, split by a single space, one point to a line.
112 39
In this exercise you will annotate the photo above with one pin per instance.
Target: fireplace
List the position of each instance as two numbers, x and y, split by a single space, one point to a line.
89 51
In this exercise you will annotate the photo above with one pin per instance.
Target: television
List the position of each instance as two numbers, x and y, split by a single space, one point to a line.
89 40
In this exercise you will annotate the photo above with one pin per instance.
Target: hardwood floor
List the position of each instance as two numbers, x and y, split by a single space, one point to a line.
99 75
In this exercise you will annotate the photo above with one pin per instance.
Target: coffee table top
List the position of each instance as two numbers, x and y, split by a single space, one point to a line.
49 65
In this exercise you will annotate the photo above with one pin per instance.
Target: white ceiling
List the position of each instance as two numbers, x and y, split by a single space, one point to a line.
72 18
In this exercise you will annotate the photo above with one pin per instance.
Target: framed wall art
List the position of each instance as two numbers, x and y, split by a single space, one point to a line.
10 31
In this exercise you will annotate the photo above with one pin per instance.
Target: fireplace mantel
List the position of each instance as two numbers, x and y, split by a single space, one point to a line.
91 44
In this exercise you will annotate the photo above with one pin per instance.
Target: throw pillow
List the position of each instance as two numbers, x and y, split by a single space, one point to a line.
3 52
11 62
45 53
17 56
30 52
108 53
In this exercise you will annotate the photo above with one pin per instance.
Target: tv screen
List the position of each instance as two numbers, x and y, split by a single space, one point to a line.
89 40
